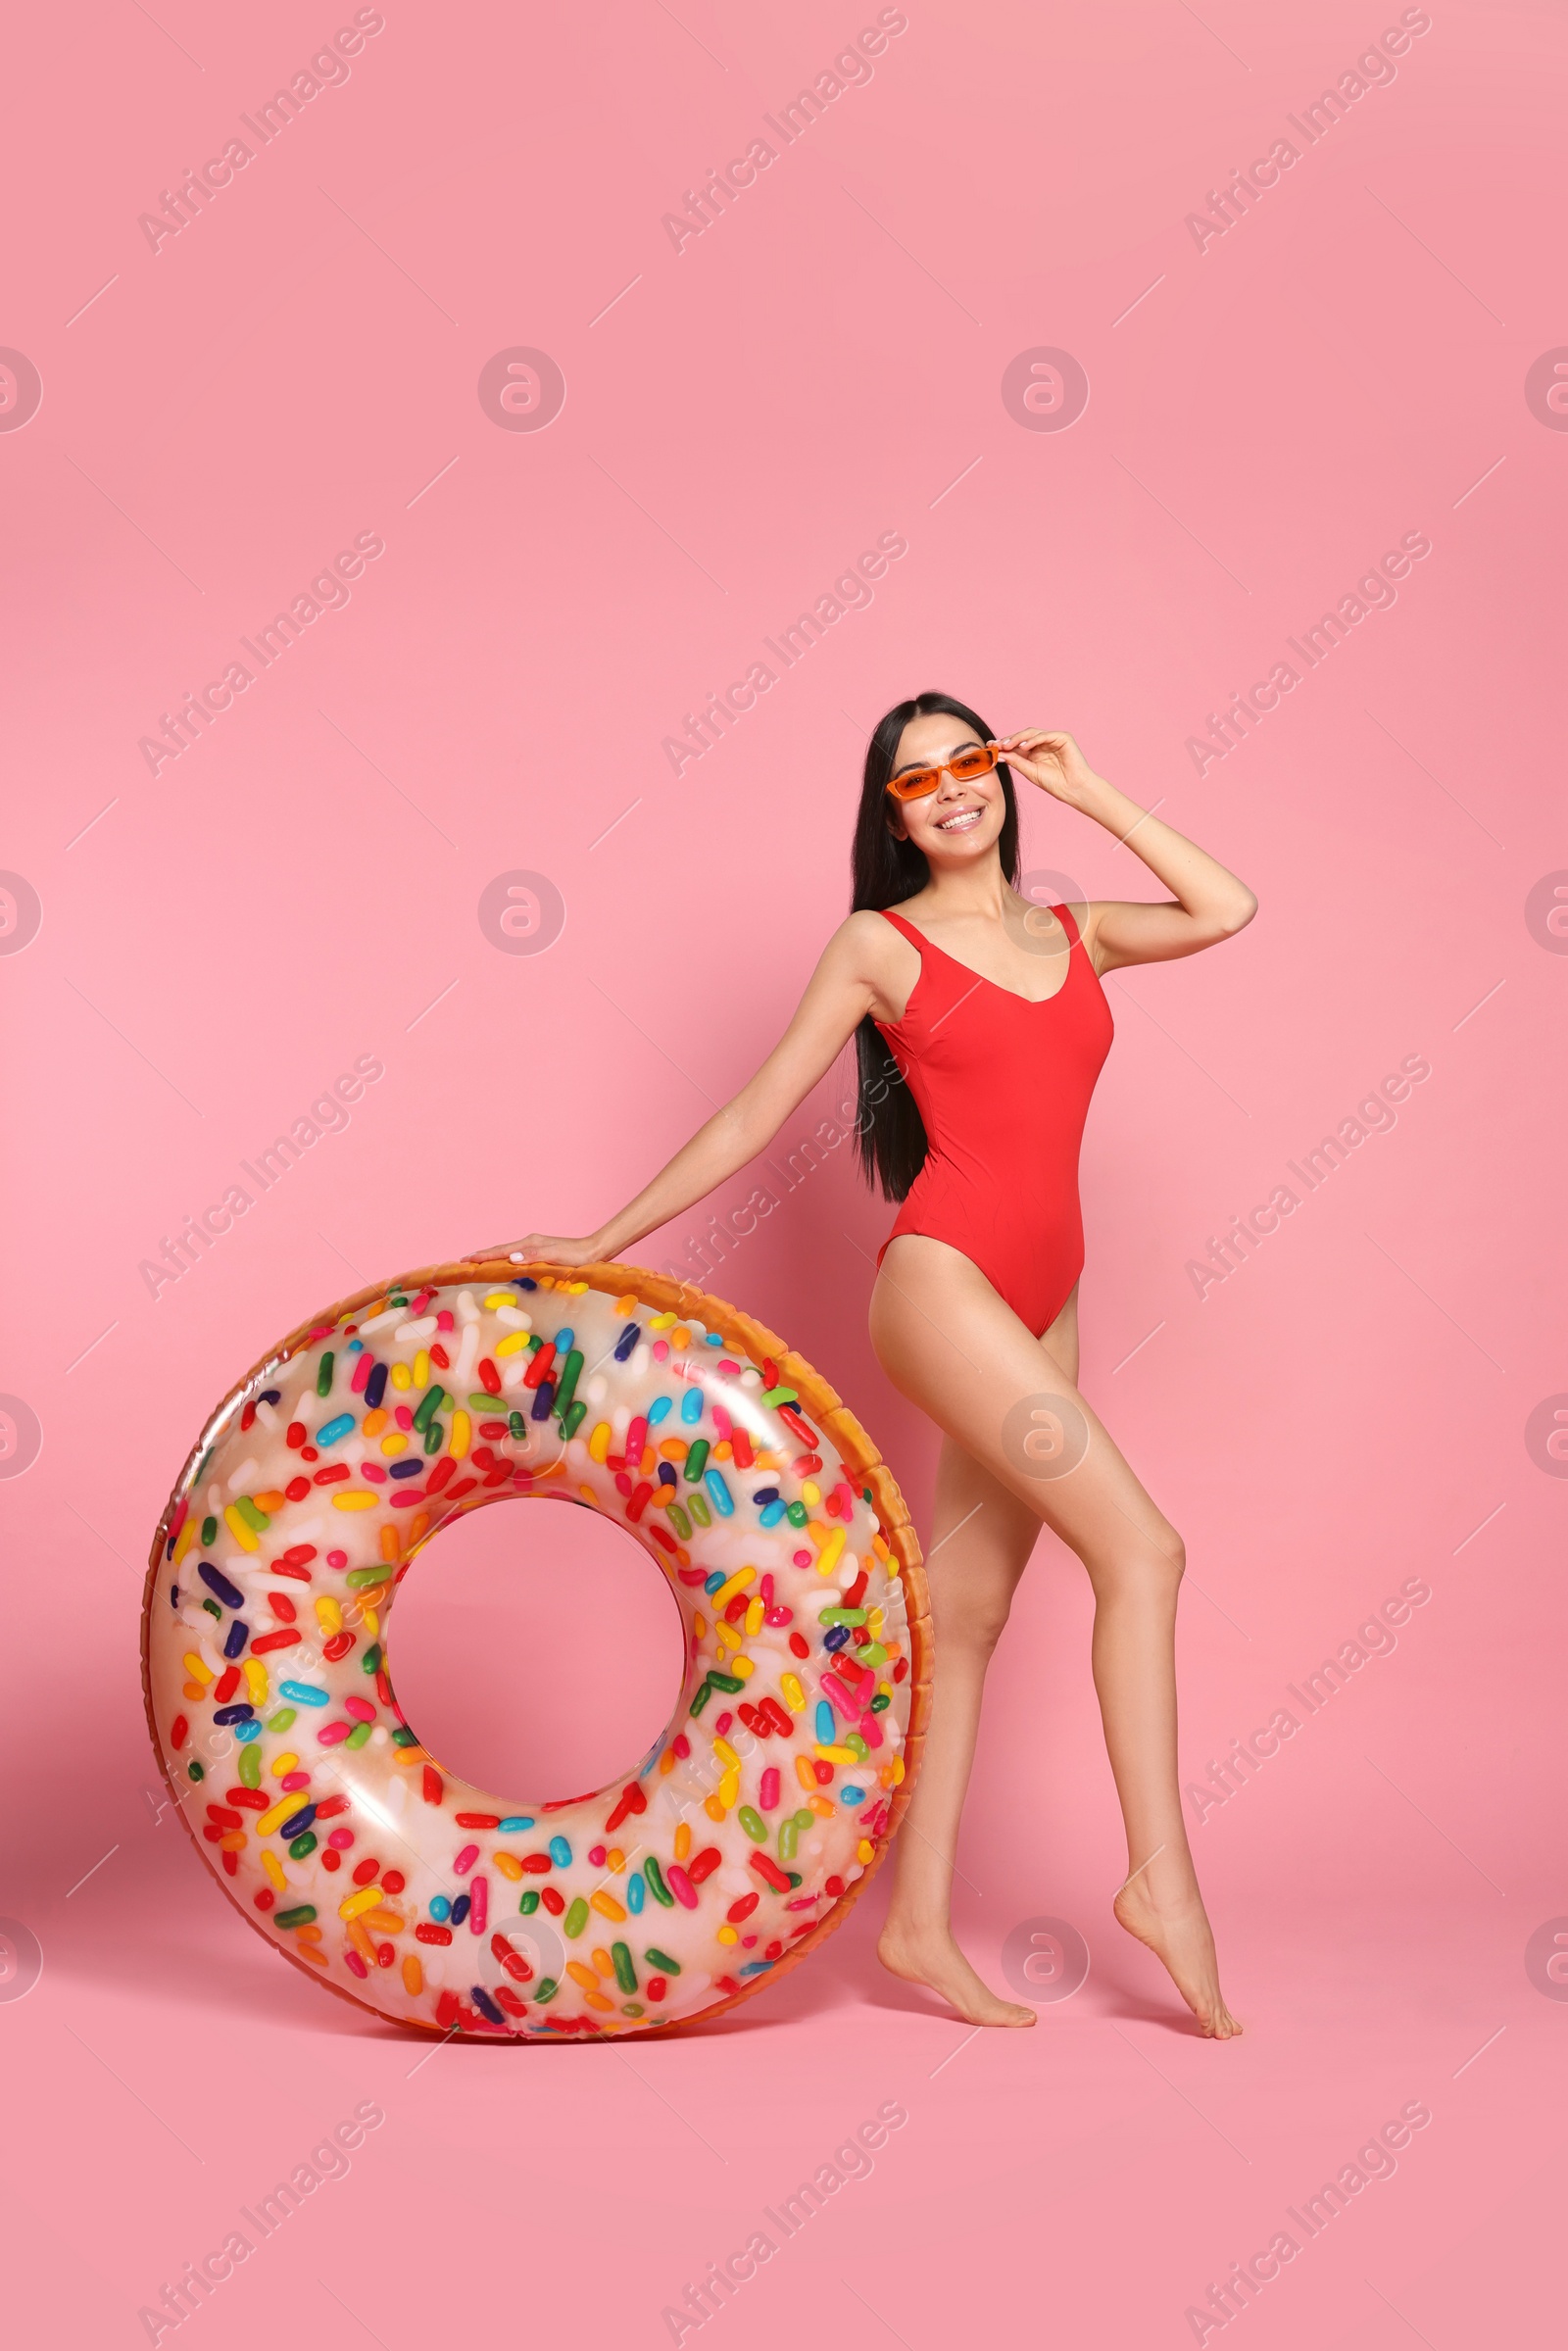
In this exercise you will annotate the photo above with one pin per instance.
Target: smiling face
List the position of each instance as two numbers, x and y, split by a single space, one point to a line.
958 823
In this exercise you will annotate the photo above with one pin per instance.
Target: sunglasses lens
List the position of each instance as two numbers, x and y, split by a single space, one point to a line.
917 783
970 764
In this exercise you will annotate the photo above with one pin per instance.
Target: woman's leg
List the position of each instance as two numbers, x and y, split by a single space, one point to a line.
953 1346
981 1539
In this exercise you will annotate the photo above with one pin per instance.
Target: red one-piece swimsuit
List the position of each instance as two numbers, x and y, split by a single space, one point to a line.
1002 1086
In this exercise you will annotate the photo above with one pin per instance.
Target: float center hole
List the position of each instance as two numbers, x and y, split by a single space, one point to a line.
536 1650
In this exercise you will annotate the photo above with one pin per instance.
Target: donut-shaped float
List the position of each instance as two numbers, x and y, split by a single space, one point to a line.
707 1867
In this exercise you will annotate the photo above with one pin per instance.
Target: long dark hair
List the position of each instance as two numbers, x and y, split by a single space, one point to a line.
890 1134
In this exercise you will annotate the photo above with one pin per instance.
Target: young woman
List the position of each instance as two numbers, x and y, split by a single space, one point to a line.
981 1027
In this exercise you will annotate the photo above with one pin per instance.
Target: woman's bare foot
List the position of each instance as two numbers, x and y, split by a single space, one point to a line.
1179 1934
933 1958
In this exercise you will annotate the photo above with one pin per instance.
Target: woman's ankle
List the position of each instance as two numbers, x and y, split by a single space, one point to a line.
1167 1885
916 1928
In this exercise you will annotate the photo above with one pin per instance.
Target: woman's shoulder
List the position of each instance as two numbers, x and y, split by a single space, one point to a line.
862 937
1081 913
870 933
876 956
907 909
870 924
869 949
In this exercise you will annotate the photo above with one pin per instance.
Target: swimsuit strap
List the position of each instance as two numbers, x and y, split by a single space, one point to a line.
1063 915
920 945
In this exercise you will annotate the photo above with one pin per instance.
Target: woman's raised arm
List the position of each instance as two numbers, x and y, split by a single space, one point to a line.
1208 901
839 993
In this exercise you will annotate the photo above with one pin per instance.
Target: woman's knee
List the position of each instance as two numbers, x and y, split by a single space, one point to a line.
1174 1549
1149 1569
1162 1549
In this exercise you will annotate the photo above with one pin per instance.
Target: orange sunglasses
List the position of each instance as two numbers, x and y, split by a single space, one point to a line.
915 782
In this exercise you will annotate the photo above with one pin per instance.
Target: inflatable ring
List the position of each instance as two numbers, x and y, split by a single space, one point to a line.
697 1877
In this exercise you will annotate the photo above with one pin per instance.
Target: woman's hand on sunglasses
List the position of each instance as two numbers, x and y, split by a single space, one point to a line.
1051 759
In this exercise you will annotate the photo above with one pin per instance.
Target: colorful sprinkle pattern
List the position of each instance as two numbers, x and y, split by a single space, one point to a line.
762 1805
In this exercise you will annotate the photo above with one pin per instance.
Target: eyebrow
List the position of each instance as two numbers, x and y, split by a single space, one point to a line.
952 748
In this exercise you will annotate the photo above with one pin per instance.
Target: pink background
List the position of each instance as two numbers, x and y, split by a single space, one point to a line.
822 365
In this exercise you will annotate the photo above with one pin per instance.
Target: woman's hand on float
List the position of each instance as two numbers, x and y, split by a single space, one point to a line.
1051 759
546 1248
